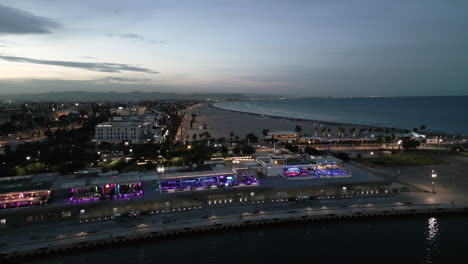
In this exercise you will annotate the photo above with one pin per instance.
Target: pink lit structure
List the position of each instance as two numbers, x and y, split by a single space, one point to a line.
106 191
26 198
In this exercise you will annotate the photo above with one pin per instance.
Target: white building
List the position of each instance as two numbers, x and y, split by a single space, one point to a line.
131 129
119 131
129 111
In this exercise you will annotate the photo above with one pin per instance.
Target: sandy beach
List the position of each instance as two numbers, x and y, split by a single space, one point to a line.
220 123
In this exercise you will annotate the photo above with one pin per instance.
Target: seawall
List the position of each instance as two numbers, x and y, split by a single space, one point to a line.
141 232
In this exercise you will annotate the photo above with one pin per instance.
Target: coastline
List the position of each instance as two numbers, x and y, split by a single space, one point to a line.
303 120
338 124
220 122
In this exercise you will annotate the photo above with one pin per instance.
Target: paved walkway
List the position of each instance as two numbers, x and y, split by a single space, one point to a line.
47 235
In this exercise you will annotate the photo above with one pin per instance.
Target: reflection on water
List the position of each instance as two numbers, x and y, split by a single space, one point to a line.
432 233
404 240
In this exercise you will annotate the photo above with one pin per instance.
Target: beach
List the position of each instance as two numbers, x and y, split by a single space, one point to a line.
220 123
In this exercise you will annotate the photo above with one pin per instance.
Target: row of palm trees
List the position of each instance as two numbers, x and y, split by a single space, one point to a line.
342 131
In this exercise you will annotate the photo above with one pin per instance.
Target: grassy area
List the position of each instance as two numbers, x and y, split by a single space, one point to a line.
400 160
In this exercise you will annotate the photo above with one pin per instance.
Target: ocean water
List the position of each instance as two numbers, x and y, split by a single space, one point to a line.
439 114
393 240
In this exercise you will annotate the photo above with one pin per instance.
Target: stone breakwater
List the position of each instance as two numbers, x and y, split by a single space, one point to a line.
173 229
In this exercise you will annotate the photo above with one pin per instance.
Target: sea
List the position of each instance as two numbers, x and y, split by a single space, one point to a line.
443 114
441 239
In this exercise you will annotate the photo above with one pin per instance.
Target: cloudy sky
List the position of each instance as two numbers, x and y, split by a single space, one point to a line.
305 48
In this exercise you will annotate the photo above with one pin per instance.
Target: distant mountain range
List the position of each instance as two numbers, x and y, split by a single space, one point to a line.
114 96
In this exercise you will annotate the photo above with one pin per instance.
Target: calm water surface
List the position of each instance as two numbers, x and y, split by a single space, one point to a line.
396 240
439 114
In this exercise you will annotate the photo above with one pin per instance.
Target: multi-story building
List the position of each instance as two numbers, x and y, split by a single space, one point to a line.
133 129
129 111
117 131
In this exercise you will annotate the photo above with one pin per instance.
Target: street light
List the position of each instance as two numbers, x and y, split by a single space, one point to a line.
433 175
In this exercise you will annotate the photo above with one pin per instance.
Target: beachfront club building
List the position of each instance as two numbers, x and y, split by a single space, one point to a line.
295 169
219 177
23 191
283 135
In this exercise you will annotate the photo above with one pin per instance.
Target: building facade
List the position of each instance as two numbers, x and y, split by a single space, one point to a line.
119 131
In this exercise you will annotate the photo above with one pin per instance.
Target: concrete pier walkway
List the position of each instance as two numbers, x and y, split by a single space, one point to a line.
29 241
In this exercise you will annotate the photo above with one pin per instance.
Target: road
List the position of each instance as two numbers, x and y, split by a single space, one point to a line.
48 235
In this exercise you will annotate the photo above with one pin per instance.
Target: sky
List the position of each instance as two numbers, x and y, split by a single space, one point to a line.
278 47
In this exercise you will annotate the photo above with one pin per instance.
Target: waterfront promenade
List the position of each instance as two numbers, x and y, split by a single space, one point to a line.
94 231
48 238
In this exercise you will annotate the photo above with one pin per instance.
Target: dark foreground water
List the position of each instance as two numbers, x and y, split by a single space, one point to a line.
396 240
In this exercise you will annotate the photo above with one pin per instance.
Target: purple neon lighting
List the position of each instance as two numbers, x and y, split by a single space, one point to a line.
221 181
311 171
106 191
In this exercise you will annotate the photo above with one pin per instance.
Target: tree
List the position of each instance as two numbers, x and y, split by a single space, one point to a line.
410 144
291 147
194 137
247 149
251 138
265 132
380 139
315 131
236 150
224 151
298 128
207 135
342 130
311 150
343 156
422 127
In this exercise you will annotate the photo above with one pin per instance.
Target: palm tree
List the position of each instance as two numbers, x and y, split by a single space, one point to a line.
323 131
342 130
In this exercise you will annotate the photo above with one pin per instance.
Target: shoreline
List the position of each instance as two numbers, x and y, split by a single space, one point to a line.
331 123
175 230
220 122
301 119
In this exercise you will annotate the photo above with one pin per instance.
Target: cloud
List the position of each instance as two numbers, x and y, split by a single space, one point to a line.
16 21
135 37
91 66
124 80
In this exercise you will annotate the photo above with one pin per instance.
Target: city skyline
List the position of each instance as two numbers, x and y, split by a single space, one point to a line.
310 48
